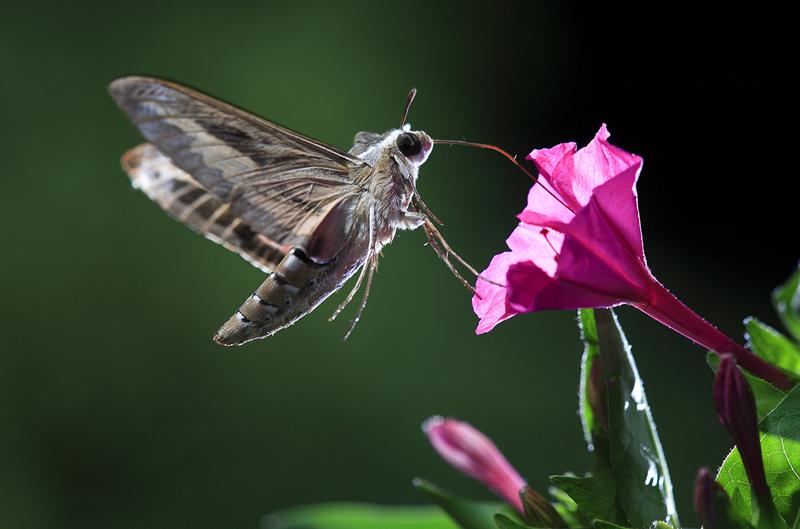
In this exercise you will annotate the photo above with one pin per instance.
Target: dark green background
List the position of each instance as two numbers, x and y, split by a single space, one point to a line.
116 408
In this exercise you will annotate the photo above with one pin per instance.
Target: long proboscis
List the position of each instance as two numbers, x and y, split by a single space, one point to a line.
511 158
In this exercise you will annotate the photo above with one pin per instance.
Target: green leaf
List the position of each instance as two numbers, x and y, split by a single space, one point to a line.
566 507
796 523
786 299
467 514
594 496
603 524
739 505
504 522
772 346
725 516
358 516
780 446
767 396
638 466
661 525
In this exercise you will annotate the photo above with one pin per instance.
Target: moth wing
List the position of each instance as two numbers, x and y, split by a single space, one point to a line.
277 181
184 199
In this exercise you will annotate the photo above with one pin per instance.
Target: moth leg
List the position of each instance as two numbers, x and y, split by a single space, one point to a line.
352 293
444 251
421 206
368 263
439 244
372 264
450 251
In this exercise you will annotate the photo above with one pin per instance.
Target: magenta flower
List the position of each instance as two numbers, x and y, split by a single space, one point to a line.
579 245
474 454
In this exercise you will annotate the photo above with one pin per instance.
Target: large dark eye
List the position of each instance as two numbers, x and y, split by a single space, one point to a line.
408 144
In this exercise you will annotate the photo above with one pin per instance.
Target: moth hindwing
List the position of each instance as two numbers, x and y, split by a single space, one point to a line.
305 212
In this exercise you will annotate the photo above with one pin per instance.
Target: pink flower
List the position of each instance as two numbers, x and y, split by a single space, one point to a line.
474 454
579 245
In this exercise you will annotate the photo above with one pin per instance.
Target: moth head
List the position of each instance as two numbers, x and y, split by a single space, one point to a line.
415 145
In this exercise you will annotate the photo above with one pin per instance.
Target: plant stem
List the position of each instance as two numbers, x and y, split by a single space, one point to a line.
668 310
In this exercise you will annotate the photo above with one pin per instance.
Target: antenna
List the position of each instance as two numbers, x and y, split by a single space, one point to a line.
410 99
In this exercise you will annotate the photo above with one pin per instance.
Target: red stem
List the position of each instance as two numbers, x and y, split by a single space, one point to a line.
667 309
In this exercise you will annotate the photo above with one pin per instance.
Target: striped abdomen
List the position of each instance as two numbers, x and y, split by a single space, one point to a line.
296 286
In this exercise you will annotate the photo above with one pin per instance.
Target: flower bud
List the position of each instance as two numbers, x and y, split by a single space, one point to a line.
474 454
538 511
707 493
736 409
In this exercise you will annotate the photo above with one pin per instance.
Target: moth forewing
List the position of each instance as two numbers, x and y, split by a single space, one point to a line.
309 213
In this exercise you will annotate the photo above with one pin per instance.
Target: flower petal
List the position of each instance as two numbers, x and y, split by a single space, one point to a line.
543 207
576 174
586 254
529 289
536 243
489 300
603 246
547 160
617 200
601 261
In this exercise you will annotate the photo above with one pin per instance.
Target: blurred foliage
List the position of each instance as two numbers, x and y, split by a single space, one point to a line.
358 516
467 514
118 410
787 302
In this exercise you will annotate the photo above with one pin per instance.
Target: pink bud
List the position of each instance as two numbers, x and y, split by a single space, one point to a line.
476 455
707 494
736 409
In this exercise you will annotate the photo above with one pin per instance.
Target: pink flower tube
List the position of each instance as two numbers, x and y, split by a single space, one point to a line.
579 245
474 454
